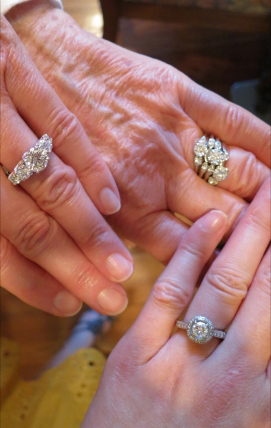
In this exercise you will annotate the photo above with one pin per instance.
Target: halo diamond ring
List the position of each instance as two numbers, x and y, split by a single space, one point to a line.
200 329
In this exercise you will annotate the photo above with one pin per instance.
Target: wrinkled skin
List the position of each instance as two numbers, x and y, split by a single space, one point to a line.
144 117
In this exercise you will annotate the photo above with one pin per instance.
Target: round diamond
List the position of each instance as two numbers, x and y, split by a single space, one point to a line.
220 173
200 148
218 144
212 181
198 160
200 329
204 166
211 143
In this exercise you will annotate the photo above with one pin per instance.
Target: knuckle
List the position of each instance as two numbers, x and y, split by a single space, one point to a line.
65 126
60 188
229 282
98 235
94 166
259 217
192 248
235 119
248 169
34 235
168 293
264 279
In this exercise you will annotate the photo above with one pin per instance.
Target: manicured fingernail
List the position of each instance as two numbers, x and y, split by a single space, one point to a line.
112 301
109 201
67 303
213 221
119 267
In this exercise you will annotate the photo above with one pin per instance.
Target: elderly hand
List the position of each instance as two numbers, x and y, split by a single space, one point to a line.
144 116
156 380
54 241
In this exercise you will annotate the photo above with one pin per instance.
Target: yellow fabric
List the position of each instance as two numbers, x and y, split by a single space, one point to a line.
59 399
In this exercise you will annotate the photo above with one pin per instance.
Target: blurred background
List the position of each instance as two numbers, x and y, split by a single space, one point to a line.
218 43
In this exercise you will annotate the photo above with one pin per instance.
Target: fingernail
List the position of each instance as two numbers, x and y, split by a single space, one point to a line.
119 267
213 221
67 303
109 201
112 301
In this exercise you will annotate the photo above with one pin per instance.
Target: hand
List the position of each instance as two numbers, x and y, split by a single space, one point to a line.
156 380
144 116
53 238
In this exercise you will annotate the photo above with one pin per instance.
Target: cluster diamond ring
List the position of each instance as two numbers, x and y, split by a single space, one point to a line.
200 329
35 160
210 157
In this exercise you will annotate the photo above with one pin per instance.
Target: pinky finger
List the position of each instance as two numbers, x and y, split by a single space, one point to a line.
33 285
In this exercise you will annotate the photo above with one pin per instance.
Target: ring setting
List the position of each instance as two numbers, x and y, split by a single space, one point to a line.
34 160
200 329
209 160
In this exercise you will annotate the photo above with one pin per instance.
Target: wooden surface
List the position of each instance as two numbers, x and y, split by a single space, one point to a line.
214 59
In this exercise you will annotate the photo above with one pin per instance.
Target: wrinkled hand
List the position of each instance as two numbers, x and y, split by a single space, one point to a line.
53 238
144 117
157 380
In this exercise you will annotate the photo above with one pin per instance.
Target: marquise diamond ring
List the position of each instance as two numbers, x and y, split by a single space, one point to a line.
209 160
35 160
200 329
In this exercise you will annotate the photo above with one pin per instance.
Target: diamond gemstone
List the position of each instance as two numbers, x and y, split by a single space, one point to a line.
198 160
212 181
220 173
200 329
204 166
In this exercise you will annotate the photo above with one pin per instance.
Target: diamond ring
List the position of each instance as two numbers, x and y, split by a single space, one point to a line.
35 160
209 160
200 329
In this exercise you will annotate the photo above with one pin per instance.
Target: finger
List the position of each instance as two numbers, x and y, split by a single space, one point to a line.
185 197
45 113
33 285
249 333
233 124
174 288
226 283
58 192
39 238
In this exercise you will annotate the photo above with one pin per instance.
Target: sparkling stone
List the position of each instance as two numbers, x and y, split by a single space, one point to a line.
45 143
211 143
204 166
200 149
198 160
212 181
211 168
22 170
200 330
218 144
220 173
